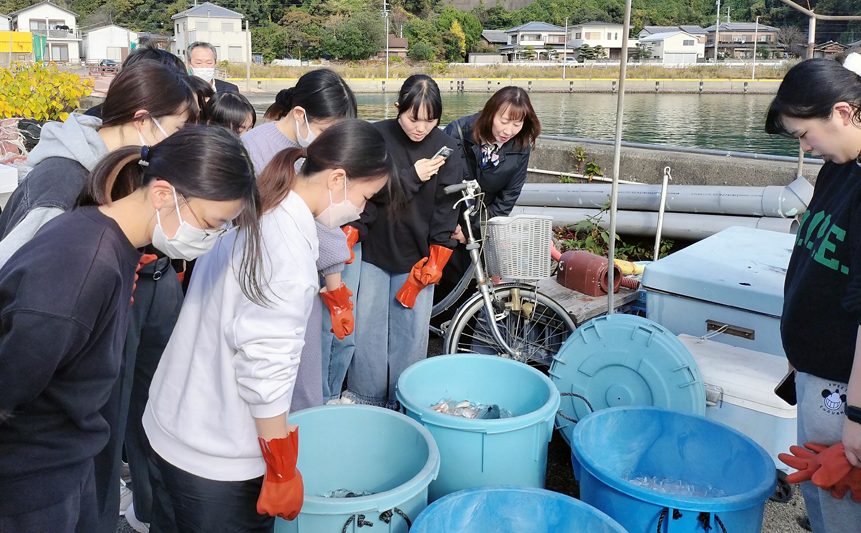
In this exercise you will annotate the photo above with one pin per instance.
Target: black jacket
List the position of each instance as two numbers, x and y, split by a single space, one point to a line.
394 242
222 86
501 184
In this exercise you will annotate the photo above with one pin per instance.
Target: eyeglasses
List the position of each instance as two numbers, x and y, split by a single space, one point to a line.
209 231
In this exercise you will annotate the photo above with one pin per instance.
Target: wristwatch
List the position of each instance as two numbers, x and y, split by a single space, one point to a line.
853 413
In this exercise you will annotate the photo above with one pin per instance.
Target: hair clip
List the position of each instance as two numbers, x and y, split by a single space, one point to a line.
145 153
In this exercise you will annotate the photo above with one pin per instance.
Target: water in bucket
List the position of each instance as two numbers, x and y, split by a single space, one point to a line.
646 466
362 467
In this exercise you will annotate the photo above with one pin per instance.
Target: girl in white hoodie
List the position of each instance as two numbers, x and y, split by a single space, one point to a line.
217 414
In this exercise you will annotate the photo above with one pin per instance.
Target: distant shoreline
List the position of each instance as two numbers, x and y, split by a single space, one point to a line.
541 85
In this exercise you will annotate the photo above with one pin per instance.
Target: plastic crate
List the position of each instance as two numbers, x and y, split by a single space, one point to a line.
518 247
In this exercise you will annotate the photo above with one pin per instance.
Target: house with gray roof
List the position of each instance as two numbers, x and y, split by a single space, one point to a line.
213 24
736 40
535 40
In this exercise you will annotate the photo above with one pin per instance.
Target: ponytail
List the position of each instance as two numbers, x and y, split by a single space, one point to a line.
117 175
276 180
352 145
283 104
205 162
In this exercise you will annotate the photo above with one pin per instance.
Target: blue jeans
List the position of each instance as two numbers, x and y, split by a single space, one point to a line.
337 354
389 337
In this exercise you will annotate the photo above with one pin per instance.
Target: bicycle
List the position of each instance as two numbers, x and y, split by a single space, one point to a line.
510 319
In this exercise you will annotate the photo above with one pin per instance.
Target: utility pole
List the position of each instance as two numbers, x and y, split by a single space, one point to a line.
727 15
386 17
755 34
248 57
717 31
565 49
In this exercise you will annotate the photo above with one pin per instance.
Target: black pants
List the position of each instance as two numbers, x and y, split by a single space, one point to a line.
76 513
157 301
190 504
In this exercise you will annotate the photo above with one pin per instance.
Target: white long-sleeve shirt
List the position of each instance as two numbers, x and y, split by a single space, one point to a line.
230 360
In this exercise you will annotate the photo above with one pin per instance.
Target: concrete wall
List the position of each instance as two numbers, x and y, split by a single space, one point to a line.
647 165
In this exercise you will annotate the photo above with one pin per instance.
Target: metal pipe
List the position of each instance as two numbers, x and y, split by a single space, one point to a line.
771 201
617 152
577 176
686 226
661 209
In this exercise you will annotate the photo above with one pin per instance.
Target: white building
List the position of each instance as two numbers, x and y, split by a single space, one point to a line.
675 48
5 24
534 40
607 35
108 42
57 23
218 26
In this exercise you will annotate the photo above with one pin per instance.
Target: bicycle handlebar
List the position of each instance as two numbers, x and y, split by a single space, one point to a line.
457 187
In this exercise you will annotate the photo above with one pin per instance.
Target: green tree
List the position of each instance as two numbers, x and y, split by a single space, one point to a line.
642 51
468 22
421 51
358 37
270 41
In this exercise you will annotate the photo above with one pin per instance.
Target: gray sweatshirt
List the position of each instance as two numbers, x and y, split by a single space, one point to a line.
66 154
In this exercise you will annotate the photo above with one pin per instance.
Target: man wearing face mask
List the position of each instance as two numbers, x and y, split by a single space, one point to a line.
202 59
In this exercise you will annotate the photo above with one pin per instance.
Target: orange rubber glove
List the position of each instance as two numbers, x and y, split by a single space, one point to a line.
340 310
142 262
352 238
823 465
426 271
283 492
849 482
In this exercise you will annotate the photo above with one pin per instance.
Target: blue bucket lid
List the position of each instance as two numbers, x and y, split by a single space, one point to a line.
624 360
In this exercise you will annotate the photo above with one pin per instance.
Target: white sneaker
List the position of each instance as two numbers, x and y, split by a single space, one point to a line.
134 523
125 497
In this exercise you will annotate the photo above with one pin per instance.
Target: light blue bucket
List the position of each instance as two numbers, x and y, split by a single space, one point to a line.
512 509
362 449
727 477
476 452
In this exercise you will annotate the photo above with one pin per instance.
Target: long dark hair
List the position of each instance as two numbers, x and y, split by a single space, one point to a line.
810 89
516 101
230 110
352 145
203 91
322 93
199 161
150 85
418 92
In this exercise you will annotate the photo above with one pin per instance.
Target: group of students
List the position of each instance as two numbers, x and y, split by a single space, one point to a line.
102 353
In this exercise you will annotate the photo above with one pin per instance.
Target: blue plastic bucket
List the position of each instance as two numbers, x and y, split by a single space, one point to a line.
476 453
621 453
512 509
361 449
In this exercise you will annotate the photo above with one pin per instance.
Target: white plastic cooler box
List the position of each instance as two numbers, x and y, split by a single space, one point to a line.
728 286
740 393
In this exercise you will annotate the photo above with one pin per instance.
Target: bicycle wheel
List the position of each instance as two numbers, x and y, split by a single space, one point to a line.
530 322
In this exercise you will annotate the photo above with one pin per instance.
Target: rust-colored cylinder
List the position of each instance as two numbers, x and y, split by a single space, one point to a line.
586 272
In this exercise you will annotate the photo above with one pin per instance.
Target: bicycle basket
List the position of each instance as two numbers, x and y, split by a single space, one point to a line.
518 247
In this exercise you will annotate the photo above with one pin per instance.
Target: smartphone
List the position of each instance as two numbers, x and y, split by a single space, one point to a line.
785 390
443 152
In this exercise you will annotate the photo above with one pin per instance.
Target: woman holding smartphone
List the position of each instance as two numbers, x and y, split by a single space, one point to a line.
403 254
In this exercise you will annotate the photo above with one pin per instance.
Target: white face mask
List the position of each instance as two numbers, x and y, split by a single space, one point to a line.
308 138
157 125
336 215
204 73
188 243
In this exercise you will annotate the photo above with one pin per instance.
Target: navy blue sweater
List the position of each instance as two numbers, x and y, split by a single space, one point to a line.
64 300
